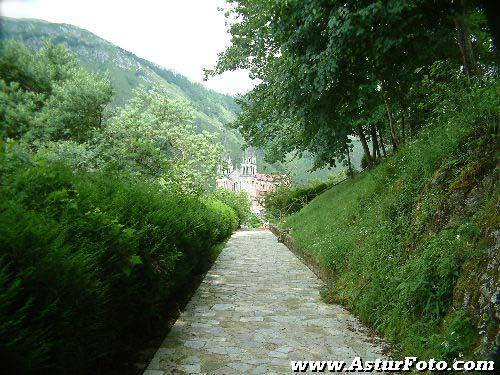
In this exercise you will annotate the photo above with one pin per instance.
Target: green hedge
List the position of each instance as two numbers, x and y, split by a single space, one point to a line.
286 200
238 201
87 262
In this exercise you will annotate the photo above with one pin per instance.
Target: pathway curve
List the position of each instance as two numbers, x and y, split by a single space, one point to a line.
257 309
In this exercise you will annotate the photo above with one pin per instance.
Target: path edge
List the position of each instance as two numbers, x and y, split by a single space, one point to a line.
310 261
326 276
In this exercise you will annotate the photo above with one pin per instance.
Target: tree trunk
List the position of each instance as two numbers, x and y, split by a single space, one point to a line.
362 138
375 148
382 142
394 138
403 125
408 127
464 41
349 164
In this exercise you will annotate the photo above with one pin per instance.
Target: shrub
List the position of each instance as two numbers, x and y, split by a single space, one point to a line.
238 201
87 262
89 259
252 221
286 200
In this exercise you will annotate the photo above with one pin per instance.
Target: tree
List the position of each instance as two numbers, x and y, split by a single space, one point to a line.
47 95
17 109
35 71
323 64
57 108
154 136
75 107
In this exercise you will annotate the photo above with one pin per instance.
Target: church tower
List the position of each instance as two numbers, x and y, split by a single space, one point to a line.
227 166
249 163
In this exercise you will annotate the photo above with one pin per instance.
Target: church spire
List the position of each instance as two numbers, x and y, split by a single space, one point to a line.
249 163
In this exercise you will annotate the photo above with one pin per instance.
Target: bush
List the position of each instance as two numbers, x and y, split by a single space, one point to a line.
253 221
238 201
89 259
286 200
87 262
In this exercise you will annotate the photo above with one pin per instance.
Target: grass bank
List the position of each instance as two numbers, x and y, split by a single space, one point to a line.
411 244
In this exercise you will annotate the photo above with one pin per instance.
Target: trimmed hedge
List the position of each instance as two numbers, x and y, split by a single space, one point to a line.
87 262
238 201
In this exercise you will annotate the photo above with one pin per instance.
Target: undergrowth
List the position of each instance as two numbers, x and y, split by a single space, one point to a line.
286 200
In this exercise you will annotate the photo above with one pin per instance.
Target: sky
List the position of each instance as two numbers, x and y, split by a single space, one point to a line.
181 35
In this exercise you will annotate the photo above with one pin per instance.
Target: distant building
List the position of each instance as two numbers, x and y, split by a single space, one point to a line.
245 178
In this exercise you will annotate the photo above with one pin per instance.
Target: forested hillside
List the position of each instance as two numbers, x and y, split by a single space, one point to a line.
411 243
212 111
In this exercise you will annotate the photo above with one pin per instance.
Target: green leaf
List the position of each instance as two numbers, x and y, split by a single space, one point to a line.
135 259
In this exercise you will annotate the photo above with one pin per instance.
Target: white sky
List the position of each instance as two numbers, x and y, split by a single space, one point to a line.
182 35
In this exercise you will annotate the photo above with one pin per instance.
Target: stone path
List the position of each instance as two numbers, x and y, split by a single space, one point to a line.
257 309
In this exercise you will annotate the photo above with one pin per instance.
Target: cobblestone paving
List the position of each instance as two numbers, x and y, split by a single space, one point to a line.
257 309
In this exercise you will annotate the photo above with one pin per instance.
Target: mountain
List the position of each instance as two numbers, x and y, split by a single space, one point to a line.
126 70
212 110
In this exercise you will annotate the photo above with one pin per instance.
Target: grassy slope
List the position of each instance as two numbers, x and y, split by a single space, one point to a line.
408 243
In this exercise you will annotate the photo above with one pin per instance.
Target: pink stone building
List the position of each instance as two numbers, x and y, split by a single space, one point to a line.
245 178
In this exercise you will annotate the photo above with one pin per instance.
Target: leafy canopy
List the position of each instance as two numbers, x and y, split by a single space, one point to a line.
329 69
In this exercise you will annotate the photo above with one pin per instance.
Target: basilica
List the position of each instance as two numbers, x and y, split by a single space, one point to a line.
245 178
